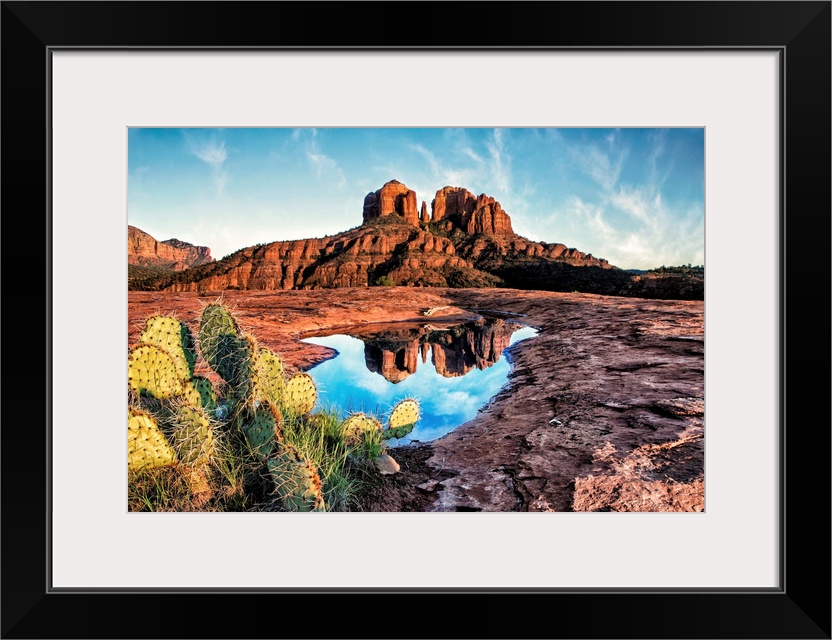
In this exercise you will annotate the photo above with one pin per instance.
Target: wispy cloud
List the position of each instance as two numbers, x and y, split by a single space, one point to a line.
321 164
632 224
214 154
634 228
500 161
603 167
457 163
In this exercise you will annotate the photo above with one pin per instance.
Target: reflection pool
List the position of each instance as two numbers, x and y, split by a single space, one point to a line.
452 371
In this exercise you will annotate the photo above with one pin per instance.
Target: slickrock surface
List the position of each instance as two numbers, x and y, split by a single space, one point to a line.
603 410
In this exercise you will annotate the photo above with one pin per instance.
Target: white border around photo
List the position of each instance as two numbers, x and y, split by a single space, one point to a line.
734 95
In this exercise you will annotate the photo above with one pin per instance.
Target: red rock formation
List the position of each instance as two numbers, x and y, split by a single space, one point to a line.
472 214
479 346
145 251
393 197
371 206
349 259
455 350
395 366
404 253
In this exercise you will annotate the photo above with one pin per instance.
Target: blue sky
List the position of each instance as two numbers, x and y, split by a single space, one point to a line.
632 196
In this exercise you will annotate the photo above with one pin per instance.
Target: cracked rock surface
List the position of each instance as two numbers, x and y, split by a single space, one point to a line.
603 410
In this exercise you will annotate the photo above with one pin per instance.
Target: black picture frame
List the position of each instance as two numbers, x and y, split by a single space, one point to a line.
799 608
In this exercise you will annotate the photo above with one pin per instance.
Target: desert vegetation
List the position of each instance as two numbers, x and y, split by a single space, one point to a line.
245 436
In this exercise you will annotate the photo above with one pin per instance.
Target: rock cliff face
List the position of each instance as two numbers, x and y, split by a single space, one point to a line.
472 214
145 251
468 241
356 258
392 198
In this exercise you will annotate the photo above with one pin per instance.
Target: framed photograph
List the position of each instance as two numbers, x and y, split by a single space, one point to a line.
720 111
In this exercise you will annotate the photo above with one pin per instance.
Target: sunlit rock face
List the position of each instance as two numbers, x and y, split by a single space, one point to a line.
145 251
467 242
472 214
392 198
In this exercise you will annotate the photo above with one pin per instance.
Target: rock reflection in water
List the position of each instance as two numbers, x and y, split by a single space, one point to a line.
454 351
452 370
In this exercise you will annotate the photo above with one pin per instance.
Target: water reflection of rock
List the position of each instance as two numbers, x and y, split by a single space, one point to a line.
455 350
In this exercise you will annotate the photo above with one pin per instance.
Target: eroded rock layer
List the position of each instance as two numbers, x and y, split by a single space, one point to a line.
144 250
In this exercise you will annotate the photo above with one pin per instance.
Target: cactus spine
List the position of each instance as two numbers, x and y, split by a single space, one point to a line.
269 374
175 339
263 430
147 446
152 372
198 392
193 436
300 394
296 480
402 419
357 425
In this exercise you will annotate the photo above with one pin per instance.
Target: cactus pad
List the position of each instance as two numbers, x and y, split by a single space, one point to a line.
193 436
398 432
263 430
151 371
216 320
219 339
147 446
402 420
198 392
173 337
270 378
358 424
296 481
235 362
300 394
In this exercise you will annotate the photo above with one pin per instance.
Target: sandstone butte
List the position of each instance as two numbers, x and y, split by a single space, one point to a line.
465 240
603 410
143 250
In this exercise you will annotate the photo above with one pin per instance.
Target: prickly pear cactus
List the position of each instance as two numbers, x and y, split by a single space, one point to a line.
235 361
270 376
147 446
296 480
193 436
173 337
263 430
216 320
219 341
402 419
300 394
358 424
198 392
152 372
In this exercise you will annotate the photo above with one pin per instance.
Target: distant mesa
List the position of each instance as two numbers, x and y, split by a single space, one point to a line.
143 250
464 240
